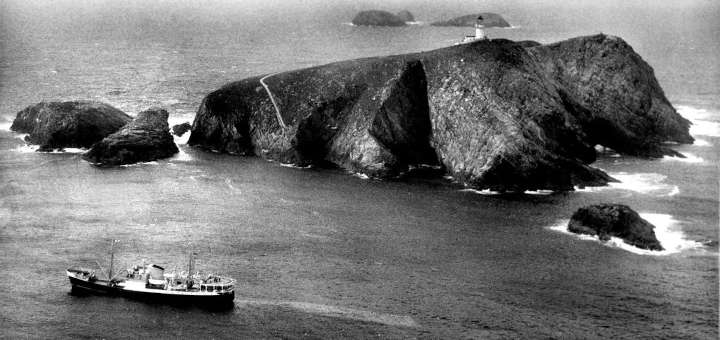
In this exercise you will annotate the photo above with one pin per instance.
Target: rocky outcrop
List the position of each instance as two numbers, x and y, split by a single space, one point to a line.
489 20
626 108
71 124
377 18
489 113
406 16
615 220
181 129
145 138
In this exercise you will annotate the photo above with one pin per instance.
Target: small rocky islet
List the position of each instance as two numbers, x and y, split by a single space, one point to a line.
615 220
69 124
380 18
146 138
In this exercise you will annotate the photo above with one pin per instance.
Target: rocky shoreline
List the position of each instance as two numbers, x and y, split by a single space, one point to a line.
494 114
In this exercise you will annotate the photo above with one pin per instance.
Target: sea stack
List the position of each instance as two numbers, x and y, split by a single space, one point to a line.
145 138
70 124
615 220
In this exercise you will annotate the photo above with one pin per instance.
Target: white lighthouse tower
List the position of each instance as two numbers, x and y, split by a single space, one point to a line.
479 32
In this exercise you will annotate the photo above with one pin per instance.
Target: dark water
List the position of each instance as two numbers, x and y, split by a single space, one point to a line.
322 253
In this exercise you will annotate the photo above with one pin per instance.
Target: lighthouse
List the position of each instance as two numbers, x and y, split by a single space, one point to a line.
479 33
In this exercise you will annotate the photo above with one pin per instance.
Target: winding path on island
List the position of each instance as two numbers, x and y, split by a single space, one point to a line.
272 99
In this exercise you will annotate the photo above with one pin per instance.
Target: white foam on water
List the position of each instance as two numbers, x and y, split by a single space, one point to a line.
337 311
667 231
701 142
689 158
644 183
539 192
26 148
486 192
360 175
5 126
181 156
291 165
703 121
31 148
139 164
180 140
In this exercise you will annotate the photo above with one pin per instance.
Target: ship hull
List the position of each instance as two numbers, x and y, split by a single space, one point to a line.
102 287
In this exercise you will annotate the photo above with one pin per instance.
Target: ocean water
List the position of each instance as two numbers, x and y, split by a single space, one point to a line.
325 253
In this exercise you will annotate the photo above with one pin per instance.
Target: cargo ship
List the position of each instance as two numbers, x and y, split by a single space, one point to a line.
150 282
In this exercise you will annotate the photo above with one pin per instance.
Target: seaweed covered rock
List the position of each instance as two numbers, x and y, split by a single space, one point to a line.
626 108
377 18
71 124
145 138
615 220
488 20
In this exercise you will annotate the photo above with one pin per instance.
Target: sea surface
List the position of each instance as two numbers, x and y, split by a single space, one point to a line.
325 253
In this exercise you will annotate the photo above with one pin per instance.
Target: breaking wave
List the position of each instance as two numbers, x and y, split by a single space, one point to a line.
703 125
644 183
689 158
667 231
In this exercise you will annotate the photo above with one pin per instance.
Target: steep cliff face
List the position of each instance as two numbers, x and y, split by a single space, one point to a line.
367 115
491 113
500 123
480 110
627 109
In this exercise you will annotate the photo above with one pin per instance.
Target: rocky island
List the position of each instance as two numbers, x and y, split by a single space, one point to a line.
145 138
71 124
377 18
615 220
489 20
494 114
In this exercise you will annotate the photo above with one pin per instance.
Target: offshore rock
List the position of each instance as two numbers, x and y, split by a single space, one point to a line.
406 16
626 108
484 111
489 20
377 18
145 138
608 220
71 124
181 129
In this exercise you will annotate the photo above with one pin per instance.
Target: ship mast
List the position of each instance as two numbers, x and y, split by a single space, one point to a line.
112 258
191 268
